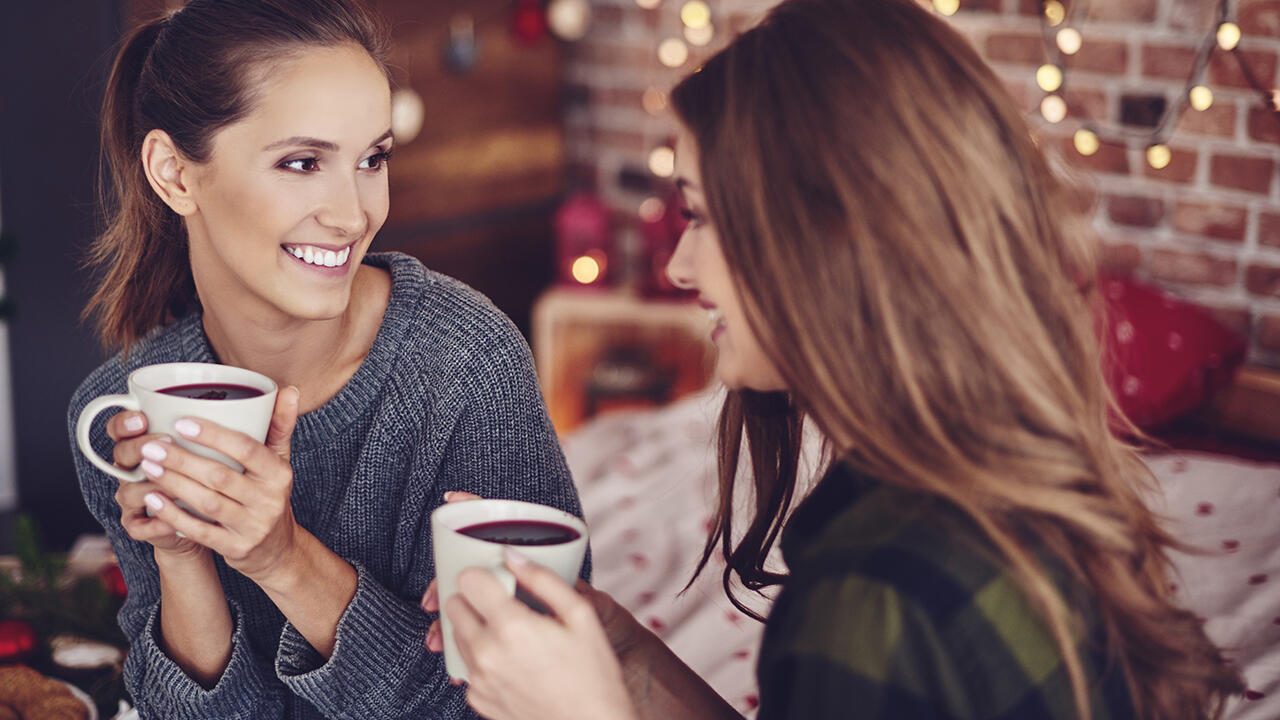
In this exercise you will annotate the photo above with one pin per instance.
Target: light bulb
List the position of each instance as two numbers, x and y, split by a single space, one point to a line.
648 4
1086 142
1228 35
586 269
569 19
672 52
662 161
1053 108
1069 40
1049 78
1201 97
1159 156
700 36
1055 13
946 7
695 14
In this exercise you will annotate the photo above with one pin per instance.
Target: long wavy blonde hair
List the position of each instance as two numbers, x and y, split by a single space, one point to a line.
897 239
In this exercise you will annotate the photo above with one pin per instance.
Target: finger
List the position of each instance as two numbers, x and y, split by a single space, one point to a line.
214 537
255 457
431 598
283 420
147 529
459 496
435 639
207 485
126 424
128 453
467 627
487 597
561 598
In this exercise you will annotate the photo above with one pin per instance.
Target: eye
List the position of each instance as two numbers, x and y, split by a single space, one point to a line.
304 165
376 161
693 218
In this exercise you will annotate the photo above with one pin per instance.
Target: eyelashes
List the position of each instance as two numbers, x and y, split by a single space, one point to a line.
305 165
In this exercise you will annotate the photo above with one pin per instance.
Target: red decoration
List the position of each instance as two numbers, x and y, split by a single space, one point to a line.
583 236
113 580
17 640
529 25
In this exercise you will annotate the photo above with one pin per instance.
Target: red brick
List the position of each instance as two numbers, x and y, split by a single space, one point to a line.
980 5
1099 56
1126 11
1085 103
1167 61
1196 15
1259 17
1238 172
1263 280
1029 7
1119 258
1224 69
1191 268
1135 211
1218 120
1269 229
1110 158
1264 124
1020 48
1269 332
1181 169
1217 221
621 140
617 97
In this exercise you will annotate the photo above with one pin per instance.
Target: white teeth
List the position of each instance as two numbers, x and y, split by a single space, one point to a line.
342 256
330 258
297 252
715 317
308 253
320 256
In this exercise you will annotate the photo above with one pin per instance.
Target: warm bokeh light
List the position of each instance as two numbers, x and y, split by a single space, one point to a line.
672 52
695 14
651 209
1055 13
1070 41
946 7
1086 142
1201 97
1159 156
1053 108
1228 35
648 4
407 114
700 36
654 101
662 161
1049 78
587 268
569 19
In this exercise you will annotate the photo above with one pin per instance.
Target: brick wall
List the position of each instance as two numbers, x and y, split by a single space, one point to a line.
1206 227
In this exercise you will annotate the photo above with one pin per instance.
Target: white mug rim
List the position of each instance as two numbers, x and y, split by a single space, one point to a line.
137 384
449 514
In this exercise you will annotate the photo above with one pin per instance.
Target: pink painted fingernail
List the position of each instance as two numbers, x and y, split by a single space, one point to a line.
152 469
153 501
187 428
133 423
154 451
514 558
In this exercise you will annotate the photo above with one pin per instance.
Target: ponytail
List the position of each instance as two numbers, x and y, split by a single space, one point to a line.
146 278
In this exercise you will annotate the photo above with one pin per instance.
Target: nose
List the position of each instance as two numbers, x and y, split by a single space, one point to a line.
680 266
343 212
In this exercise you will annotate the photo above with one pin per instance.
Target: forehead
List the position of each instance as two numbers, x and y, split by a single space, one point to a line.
331 93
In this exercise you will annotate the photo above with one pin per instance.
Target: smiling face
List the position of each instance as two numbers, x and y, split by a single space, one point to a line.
699 264
293 193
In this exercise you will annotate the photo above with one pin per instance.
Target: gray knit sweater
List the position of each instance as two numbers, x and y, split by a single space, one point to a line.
446 400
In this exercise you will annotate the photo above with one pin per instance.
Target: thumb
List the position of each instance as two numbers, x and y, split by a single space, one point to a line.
283 419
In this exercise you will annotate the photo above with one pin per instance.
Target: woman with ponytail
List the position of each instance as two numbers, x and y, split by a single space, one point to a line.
883 252
245 146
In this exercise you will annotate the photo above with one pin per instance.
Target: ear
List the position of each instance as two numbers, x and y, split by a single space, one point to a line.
168 172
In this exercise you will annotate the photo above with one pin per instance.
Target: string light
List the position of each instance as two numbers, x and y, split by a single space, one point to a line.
1086 142
662 161
1053 108
946 7
1159 156
695 14
1228 36
654 101
648 4
1201 97
586 269
700 36
652 209
1054 13
1070 41
1049 78
673 53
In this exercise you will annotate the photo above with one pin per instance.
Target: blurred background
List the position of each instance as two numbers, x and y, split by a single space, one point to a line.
534 158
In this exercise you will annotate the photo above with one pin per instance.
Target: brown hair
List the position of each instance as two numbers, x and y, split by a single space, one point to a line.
189 73
889 221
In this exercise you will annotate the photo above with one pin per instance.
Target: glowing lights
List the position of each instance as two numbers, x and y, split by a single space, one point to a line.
673 53
1228 36
946 7
588 268
407 114
1201 97
1069 41
1159 156
1054 13
1053 108
1086 142
569 19
695 14
700 36
648 4
654 101
662 161
1049 78
652 209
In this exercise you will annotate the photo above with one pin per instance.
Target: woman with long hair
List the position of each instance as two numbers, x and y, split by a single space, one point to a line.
245 147
881 246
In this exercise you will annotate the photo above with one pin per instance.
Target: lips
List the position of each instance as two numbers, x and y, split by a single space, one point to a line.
319 256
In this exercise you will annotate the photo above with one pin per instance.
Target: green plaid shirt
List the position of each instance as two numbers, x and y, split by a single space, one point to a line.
898 607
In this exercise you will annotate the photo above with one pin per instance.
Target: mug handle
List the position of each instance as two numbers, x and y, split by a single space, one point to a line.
91 411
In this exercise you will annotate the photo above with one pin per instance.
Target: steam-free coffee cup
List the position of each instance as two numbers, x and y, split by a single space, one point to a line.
474 533
233 397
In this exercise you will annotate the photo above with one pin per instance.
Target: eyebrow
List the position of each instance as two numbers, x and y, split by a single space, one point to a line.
316 143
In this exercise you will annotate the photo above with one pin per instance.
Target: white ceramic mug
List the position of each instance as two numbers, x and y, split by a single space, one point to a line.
251 416
454 552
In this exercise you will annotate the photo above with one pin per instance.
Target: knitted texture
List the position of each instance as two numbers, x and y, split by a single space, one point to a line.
446 400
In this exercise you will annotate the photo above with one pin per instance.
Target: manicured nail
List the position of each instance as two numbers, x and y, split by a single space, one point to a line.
165 439
133 423
153 501
152 469
187 428
154 451
448 495
514 558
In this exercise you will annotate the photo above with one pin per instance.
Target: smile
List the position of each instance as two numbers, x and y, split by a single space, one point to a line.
319 256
